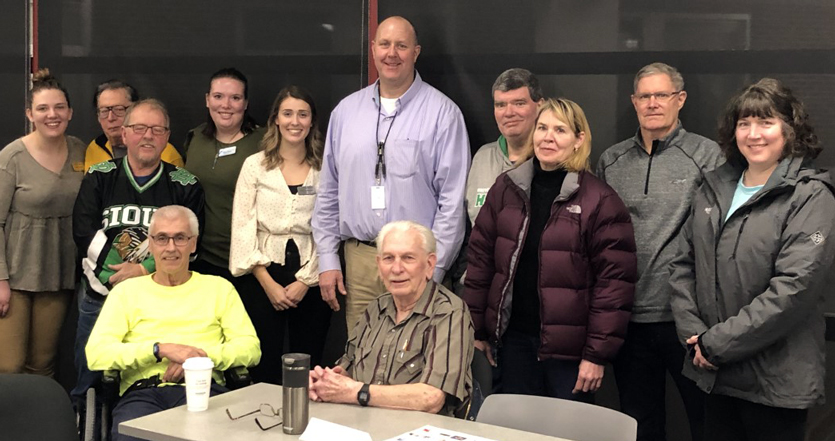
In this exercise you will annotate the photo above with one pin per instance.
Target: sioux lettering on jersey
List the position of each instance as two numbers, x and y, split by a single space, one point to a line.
127 215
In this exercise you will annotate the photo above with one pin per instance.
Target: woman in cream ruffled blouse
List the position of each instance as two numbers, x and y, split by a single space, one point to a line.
272 237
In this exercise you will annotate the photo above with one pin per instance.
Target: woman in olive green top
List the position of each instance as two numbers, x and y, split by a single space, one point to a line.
215 153
40 175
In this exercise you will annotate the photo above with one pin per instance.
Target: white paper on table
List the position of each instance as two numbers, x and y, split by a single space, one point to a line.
321 430
432 433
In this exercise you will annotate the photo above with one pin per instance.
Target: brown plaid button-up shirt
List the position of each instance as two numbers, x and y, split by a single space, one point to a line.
433 345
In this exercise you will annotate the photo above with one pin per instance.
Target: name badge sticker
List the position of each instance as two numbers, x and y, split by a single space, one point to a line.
307 190
227 151
378 197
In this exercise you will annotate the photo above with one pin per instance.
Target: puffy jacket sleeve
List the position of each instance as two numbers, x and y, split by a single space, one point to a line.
611 247
683 282
481 266
801 268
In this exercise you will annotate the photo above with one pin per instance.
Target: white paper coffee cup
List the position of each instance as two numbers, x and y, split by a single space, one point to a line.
198 372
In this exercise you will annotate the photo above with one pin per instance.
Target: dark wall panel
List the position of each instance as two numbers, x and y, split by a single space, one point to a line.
168 50
589 52
13 68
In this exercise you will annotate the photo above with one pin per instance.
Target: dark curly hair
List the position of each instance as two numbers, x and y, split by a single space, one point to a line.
768 98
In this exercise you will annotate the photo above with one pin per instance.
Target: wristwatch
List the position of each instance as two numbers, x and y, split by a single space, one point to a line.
363 395
156 352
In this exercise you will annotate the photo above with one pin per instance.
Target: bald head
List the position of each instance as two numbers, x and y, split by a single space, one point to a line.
395 52
399 23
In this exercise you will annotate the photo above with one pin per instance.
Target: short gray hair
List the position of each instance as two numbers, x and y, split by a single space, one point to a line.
515 78
659 68
402 226
151 103
172 212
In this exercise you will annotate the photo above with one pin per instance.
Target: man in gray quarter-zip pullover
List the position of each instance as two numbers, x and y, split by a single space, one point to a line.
656 173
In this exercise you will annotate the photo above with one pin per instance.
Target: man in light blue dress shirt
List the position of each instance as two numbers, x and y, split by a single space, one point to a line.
395 150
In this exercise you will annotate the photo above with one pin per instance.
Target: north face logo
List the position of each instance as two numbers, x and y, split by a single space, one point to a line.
817 238
574 209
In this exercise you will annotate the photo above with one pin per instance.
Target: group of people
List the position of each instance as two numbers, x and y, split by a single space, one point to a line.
678 254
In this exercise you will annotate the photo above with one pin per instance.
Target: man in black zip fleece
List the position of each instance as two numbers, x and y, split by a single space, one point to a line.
656 173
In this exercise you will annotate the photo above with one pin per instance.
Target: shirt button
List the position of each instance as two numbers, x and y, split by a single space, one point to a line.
412 365
384 355
379 382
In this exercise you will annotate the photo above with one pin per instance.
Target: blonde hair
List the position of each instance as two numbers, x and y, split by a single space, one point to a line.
573 116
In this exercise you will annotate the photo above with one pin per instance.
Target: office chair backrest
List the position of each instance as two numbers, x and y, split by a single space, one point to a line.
33 407
555 417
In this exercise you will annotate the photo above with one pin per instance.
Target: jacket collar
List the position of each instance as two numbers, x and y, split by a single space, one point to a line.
788 173
522 176
662 143
104 144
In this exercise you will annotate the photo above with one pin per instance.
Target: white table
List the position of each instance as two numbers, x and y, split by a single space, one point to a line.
179 424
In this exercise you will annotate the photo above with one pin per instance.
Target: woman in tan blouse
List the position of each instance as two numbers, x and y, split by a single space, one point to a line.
272 237
40 175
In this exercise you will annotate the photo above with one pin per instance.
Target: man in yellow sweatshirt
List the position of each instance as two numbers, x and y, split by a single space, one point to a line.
151 324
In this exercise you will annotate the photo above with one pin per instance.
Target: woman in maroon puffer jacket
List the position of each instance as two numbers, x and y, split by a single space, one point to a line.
552 267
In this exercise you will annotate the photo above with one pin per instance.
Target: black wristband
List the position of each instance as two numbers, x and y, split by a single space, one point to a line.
363 396
156 352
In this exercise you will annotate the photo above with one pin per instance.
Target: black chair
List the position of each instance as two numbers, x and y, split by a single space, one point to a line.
34 407
482 375
98 424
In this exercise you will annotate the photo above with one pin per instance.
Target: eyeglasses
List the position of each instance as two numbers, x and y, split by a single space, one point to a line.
265 409
119 111
140 129
180 240
659 96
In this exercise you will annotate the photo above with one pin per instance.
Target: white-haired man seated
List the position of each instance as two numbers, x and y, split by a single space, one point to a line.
151 324
413 346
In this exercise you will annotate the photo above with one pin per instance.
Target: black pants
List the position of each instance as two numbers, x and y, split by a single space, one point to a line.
147 401
306 325
651 350
523 374
734 419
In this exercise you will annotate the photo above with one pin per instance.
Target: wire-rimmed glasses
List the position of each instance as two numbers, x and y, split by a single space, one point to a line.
265 409
659 96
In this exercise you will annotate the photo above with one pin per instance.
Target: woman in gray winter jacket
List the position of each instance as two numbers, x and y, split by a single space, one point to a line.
755 261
